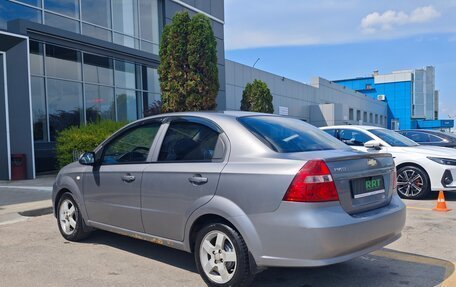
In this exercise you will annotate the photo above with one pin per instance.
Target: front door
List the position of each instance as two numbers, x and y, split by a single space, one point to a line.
355 139
184 177
112 190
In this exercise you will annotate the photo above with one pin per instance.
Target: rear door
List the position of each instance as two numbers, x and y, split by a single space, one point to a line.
112 189
183 177
419 137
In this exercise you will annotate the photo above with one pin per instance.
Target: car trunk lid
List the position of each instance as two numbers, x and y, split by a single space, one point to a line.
363 181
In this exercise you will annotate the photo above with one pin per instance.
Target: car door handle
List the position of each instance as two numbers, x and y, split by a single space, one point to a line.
197 179
128 178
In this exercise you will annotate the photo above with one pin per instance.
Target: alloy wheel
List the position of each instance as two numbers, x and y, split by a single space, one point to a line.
218 257
67 216
410 183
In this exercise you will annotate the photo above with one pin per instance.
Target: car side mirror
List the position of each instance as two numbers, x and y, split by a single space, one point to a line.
373 144
87 158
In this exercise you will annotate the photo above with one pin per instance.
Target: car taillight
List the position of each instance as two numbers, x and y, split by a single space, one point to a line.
394 178
313 183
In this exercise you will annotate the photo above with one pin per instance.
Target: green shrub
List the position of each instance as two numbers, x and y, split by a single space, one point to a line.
81 139
257 97
188 64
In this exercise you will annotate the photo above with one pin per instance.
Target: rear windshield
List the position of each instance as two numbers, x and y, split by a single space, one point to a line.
287 135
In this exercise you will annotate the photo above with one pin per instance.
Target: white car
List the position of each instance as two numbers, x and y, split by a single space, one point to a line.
420 169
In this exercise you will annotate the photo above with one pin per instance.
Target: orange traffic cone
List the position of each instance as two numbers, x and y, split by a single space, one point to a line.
441 204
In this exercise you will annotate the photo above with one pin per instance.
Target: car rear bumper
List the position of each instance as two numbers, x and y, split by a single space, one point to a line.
318 234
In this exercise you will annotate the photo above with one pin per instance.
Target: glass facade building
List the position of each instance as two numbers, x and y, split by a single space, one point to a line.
71 87
131 23
72 62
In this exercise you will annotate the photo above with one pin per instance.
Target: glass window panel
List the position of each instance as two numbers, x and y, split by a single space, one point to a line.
63 63
152 105
61 22
11 11
127 75
350 114
289 135
131 146
96 32
97 12
148 15
152 98
36 58
353 138
64 7
186 141
126 41
127 105
39 109
99 103
64 105
149 47
150 80
98 69
36 3
125 16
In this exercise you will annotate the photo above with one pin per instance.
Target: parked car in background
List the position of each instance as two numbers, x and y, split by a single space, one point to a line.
242 191
420 169
431 137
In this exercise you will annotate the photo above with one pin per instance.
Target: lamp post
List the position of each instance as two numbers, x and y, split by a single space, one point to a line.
255 62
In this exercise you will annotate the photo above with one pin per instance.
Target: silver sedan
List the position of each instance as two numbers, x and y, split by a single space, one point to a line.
242 191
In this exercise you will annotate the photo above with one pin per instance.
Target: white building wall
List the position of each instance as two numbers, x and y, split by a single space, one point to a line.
321 103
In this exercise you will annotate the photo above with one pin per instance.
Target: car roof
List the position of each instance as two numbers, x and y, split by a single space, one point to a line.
210 114
433 132
423 131
361 127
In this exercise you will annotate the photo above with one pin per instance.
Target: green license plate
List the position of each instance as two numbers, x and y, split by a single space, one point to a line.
367 186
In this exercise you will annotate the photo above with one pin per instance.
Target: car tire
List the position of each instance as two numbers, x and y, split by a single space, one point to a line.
413 182
222 257
69 219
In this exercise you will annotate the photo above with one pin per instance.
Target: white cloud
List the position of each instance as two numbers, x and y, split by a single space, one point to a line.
389 19
272 23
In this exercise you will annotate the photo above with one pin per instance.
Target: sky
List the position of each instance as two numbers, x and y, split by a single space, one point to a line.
334 39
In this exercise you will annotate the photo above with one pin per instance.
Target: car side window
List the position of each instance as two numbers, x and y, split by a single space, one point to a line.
435 139
331 132
189 141
418 137
353 137
131 146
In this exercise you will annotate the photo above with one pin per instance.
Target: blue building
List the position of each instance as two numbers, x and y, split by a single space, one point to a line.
411 97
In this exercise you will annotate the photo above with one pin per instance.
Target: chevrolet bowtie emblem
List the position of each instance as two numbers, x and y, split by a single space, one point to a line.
372 162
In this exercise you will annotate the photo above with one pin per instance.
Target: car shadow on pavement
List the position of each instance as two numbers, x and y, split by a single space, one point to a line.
143 248
383 268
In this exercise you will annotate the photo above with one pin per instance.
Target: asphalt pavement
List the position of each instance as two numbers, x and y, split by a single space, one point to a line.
25 197
33 253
